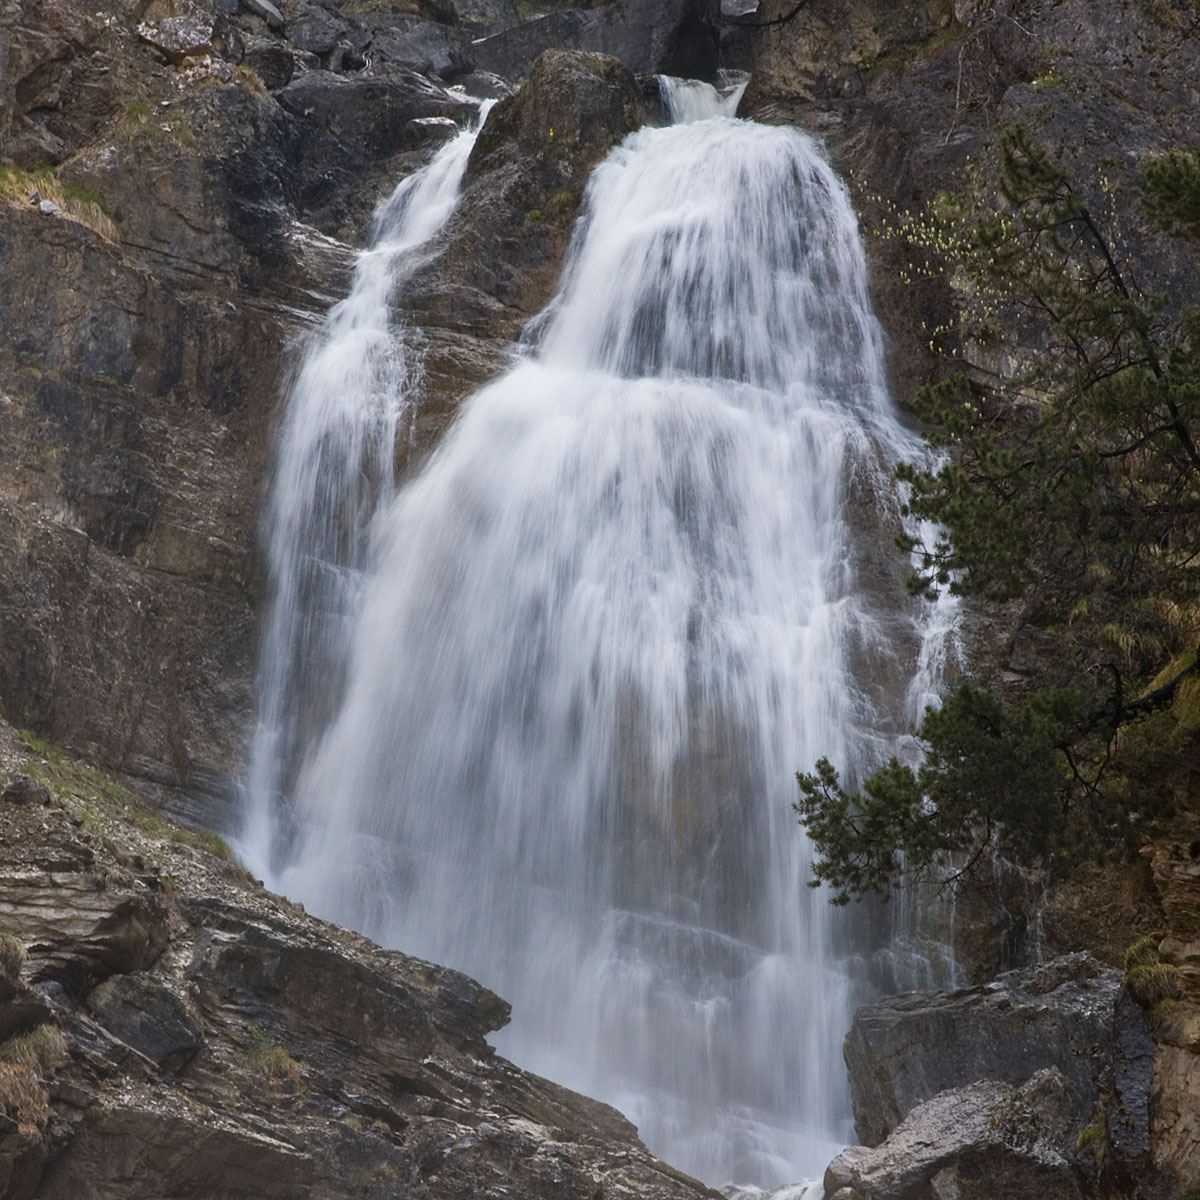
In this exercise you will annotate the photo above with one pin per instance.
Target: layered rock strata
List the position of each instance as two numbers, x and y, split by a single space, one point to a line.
168 1028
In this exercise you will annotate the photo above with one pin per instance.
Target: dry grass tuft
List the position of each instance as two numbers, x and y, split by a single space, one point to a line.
75 204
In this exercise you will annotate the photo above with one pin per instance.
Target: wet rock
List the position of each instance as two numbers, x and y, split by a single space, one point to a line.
503 246
976 1143
147 1016
673 37
351 125
903 1051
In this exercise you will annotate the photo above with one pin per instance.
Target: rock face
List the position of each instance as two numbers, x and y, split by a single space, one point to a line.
671 37
236 1047
1041 1078
191 225
500 253
903 1051
1176 1099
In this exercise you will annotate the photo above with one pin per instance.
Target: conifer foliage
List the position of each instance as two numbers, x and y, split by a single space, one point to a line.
1073 488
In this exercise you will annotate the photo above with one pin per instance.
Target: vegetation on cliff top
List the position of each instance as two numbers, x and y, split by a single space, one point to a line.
1074 488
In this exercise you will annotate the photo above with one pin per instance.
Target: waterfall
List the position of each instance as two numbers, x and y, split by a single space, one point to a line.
334 470
644 578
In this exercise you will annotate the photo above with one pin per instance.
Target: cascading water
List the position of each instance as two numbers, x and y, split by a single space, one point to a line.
333 472
628 596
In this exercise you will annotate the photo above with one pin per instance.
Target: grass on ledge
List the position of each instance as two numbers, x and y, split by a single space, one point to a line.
75 203
103 802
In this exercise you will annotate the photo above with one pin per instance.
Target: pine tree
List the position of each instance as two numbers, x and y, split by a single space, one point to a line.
1075 488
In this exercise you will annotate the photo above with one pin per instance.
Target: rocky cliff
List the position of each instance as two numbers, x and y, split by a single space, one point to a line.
912 98
185 184
171 1029
182 187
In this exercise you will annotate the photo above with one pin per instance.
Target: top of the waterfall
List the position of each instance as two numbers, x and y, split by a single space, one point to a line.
690 100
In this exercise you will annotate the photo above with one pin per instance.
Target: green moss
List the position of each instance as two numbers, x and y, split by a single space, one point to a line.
1091 1136
1143 952
1162 1010
533 217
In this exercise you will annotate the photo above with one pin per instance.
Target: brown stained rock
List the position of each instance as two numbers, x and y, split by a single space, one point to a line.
1176 867
1176 1101
1176 1095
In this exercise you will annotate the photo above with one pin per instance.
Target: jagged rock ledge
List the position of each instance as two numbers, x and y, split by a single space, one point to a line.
1036 1084
170 1028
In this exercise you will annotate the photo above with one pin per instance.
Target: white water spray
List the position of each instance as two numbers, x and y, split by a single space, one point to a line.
629 595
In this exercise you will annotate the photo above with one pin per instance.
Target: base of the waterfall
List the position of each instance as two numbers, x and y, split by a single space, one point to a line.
809 1190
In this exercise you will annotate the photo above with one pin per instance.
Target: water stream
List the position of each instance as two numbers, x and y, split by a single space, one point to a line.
537 715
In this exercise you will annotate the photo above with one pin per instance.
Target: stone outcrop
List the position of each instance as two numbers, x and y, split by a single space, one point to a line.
1042 1077
1057 1014
671 37
499 256
225 1044
977 1142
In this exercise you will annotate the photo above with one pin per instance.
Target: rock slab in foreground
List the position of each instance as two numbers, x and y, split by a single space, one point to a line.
236 1047
978 1142
1037 1084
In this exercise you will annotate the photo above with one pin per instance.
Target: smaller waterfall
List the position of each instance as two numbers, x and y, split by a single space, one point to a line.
357 384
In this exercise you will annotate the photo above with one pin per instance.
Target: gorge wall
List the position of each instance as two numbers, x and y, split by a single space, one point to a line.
182 186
